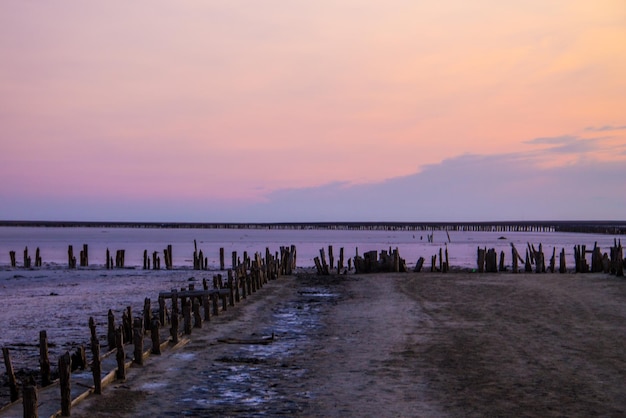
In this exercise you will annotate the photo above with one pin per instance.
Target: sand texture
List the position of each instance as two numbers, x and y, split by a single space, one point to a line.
424 344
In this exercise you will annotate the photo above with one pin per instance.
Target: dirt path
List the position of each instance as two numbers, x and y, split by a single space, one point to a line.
397 345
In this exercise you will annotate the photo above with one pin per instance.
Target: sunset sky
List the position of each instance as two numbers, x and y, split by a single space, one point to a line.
271 110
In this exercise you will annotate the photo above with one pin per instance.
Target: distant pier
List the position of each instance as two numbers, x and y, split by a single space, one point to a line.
596 227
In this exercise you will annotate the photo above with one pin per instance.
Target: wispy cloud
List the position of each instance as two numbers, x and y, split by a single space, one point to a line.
567 144
468 187
605 128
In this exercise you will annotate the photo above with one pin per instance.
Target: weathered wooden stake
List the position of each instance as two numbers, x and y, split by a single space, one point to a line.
120 355
138 330
65 384
187 318
96 364
10 374
155 326
111 330
44 360
174 320
29 400
147 314
197 318
12 256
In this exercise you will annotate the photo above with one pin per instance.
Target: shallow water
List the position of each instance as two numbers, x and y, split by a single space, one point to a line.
53 243
61 301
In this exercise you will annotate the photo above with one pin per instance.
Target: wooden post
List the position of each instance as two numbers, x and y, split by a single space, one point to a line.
12 256
418 265
146 260
215 299
340 262
155 336
10 374
206 306
231 295
162 311
187 318
527 264
120 355
44 360
29 400
65 385
138 341
96 365
26 258
501 264
562 267
174 321
169 257
38 258
197 318
331 257
111 330
481 260
127 324
71 260
147 314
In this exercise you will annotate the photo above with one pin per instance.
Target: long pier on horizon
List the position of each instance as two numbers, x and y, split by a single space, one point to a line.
598 227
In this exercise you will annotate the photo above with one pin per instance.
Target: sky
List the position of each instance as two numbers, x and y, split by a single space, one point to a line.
269 111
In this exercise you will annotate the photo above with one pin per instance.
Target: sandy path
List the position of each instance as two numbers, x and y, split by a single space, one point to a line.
397 345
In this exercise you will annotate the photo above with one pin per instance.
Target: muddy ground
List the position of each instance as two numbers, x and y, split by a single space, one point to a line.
426 345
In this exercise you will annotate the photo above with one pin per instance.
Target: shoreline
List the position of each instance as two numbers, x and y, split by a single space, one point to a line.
408 344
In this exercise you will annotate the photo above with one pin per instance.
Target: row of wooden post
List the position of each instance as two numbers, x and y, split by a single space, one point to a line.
324 268
242 281
613 264
27 258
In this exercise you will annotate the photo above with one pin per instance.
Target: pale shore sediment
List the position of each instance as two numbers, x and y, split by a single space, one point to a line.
459 344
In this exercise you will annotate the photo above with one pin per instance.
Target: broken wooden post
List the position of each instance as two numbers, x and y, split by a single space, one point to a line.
231 288
64 383
481 259
12 256
418 265
215 300
29 399
162 310
26 258
10 375
528 268
206 307
553 260
138 341
562 266
147 314
146 260
331 257
44 360
127 323
38 262
111 330
197 318
96 365
501 266
120 355
155 336
174 319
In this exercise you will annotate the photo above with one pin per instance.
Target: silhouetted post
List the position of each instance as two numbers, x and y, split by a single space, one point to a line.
44 360
65 385
96 365
29 400
138 341
120 355
10 374
111 330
